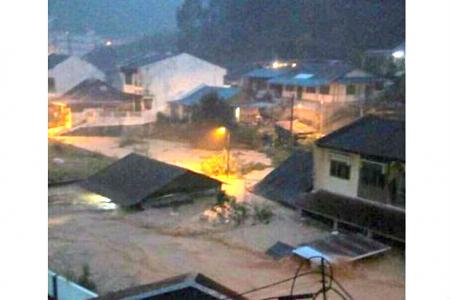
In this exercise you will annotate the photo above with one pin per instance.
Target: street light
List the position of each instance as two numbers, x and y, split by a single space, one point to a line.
223 131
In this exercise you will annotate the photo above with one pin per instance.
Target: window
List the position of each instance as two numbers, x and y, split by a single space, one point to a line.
324 89
147 103
350 89
310 89
51 84
372 174
289 88
339 169
128 78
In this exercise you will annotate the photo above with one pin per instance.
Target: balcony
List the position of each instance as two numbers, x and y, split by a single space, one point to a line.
133 89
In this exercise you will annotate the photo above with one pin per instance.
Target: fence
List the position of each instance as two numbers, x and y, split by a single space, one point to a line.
60 288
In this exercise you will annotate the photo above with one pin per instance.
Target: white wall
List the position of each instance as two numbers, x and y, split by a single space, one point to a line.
323 180
71 72
168 79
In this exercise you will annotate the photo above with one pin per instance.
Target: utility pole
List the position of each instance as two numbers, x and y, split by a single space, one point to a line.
291 123
228 151
322 269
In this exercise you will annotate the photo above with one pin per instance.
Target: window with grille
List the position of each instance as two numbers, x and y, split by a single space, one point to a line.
339 169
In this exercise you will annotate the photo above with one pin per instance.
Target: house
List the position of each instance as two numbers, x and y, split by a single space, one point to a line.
317 89
181 109
354 179
186 287
359 177
138 181
166 77
96 103
65 72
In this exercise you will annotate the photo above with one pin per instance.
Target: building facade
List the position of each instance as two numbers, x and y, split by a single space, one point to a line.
168 77
65 72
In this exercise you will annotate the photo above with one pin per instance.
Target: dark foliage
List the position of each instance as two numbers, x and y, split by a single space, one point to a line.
212 111
239 30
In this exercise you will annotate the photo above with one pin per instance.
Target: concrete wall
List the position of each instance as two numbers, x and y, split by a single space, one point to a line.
170 78
322 178
71 72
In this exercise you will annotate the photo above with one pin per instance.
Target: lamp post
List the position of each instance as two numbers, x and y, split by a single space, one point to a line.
223 131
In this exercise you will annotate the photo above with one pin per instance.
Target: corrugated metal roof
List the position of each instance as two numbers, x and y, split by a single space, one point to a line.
186 286
267 73
289 180
319 73
134 178
96 90
371 136
224 93
341 247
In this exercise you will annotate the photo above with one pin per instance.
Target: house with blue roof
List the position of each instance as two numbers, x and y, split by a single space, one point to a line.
318 88
181 108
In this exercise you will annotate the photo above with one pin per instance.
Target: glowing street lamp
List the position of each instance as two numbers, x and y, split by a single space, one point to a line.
223 131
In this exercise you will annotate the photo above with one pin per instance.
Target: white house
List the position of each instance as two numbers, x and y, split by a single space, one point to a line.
166 77
65 72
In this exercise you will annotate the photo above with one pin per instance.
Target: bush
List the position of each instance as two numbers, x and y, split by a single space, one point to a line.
129 139
84 279
247 135
216 165
162 119
239 212
263 213
250 167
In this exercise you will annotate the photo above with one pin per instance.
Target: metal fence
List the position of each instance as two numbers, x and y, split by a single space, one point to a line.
60 288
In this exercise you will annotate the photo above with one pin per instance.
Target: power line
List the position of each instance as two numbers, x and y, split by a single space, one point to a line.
323 290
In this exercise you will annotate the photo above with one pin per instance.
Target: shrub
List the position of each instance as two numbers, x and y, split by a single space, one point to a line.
263 213
247 168
239 212
84 279
247 135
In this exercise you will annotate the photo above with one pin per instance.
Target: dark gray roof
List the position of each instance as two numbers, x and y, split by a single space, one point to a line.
96 90
112 59
144 60
381 219
186 287
289 180
134 178
371 136
224 93
55 59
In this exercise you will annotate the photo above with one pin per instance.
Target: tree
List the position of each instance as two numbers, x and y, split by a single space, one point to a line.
212 111
225 31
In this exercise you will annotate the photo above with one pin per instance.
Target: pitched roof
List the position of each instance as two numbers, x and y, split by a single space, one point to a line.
55 59
317 73
371 136
96 90
290 179
186 286
194 97
267 73
134 178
